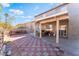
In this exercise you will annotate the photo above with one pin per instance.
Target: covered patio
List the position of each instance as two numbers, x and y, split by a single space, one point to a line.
56 25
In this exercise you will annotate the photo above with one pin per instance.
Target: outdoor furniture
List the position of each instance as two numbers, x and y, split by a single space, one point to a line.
48 33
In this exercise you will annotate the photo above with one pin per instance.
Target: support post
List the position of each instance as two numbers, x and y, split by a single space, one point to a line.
40 31
57 31
34 29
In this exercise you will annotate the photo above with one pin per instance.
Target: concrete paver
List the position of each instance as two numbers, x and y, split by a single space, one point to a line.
31 46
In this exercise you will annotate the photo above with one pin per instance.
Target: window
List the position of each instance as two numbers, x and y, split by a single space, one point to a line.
49 27
63 31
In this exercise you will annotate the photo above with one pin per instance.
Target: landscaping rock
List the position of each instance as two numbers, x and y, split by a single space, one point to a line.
6 50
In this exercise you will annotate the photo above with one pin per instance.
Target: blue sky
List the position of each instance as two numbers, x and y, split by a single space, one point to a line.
25 12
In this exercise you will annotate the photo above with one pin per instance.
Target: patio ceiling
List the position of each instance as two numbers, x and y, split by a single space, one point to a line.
52 19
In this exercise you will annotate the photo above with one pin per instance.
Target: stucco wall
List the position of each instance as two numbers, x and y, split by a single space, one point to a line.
73 32
73 21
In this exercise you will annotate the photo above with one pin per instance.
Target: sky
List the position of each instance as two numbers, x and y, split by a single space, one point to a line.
25 12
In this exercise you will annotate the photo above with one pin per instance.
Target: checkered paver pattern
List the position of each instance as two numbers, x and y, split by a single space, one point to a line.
30 46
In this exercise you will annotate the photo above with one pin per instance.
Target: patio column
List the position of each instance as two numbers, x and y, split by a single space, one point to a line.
40 30
34 29
57 31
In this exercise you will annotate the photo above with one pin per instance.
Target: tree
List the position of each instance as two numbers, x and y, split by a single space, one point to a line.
19 25
7 25
0 8
8 20
3 25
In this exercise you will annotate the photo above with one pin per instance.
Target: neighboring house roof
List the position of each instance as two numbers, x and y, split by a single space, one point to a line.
26 23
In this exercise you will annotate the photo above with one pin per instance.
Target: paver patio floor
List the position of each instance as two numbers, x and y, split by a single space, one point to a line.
31 46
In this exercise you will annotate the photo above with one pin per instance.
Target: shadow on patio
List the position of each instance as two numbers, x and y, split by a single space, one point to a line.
70 46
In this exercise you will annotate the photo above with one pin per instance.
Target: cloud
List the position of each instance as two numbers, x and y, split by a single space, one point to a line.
27 17
36 8
51 3
5 4
16 11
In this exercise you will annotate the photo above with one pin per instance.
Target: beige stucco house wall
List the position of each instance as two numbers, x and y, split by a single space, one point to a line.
72 22
73 10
